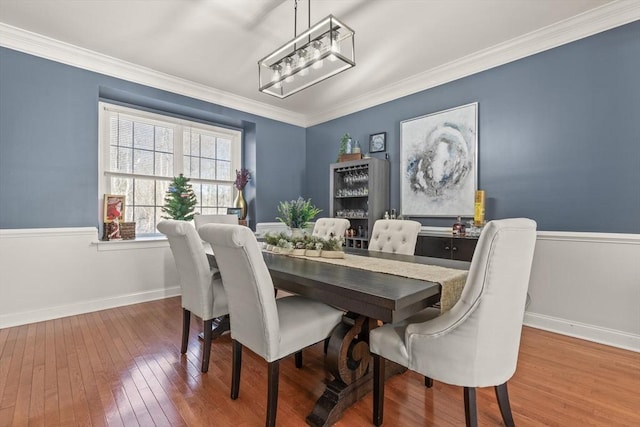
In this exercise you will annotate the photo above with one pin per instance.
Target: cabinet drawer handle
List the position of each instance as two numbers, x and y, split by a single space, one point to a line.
454 249
446 248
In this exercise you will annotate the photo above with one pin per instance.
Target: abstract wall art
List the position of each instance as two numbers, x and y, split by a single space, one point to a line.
438 163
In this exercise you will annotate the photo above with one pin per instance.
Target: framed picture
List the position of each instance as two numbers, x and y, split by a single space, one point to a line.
439 163
235 211
377 142
113 208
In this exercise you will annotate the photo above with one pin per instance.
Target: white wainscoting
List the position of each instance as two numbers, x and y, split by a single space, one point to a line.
51 273
585 285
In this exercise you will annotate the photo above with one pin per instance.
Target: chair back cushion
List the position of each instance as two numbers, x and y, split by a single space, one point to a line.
325 227
249 288
394 235
194 272
200 220
476 343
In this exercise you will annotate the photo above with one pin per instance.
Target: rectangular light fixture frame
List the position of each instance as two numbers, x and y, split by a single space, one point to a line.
324 50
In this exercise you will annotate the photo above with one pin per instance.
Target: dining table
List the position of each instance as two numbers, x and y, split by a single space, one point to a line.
368 298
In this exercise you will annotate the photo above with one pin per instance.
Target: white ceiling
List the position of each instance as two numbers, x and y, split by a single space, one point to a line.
213 45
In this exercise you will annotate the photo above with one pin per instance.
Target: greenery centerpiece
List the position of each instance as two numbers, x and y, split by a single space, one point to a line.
180 200
296 214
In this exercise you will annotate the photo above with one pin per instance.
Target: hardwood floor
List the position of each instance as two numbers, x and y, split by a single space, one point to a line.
123 367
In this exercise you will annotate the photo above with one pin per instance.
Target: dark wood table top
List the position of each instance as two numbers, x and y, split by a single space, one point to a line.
380 296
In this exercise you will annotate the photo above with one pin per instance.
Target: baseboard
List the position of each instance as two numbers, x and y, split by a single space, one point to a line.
16 319
582 331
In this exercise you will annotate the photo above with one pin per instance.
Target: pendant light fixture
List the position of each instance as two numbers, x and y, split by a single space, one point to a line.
322 51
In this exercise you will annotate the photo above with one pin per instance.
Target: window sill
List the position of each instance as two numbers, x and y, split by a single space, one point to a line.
137 243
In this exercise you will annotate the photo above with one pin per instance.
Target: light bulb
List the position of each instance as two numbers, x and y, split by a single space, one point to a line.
316 56
302 62
276 77
288 70
335 46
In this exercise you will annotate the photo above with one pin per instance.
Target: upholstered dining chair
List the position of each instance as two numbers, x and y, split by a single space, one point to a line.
271 328
394 235
202 292
476 343
200 220
326 227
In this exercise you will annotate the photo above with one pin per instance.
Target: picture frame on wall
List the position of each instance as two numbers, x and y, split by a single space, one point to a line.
377 142
235 211
439 163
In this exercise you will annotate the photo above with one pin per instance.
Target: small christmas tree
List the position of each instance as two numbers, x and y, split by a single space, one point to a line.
180 200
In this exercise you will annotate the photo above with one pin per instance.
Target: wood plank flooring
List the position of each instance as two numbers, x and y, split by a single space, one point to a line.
123 367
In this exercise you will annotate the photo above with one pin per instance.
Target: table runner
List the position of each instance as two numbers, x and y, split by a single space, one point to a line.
451 280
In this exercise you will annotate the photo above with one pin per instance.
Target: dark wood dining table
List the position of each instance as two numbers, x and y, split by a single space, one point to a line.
367 298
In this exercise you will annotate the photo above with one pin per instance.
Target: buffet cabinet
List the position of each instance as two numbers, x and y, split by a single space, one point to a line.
360 193
450 247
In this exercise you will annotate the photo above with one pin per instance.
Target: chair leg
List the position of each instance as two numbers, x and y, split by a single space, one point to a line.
236 367
503 402
298 357
378 389
272 393
186 321
428 382
470 407
206 348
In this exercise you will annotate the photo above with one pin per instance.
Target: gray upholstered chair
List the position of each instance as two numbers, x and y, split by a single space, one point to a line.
201 286
200 220
271 328
476 343
325 227
395 236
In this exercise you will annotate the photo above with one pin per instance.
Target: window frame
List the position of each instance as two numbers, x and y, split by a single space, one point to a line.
179 125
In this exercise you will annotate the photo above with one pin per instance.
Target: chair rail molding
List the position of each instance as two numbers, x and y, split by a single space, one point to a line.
585 285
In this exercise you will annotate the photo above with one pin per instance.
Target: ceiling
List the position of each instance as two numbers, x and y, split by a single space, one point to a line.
212 46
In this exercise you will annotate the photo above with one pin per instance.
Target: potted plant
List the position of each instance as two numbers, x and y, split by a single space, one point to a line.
313 247
332 248
298 248
271 240
295 214
285 246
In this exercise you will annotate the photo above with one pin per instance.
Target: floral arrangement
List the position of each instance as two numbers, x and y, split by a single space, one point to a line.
243 176
297 213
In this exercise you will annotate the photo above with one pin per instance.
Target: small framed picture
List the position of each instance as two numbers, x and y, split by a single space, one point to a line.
235 211
378 142
113 208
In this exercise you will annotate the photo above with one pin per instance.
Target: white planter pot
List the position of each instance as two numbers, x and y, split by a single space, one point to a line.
312 253
332 254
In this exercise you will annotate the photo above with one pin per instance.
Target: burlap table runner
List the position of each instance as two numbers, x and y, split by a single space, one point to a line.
452 280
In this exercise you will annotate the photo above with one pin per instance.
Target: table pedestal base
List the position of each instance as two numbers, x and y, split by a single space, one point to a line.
338 397
347 360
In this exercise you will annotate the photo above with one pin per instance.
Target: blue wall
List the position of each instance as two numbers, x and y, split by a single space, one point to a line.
49 142
559 138
559 135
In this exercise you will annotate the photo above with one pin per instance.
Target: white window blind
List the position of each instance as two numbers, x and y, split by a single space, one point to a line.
141 152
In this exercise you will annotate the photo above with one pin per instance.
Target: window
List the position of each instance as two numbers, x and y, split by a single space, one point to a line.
141 153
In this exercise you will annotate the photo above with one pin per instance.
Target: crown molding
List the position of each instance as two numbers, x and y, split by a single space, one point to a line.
586 24
597 20
55 50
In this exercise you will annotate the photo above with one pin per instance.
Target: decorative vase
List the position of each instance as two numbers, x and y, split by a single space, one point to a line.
242 204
